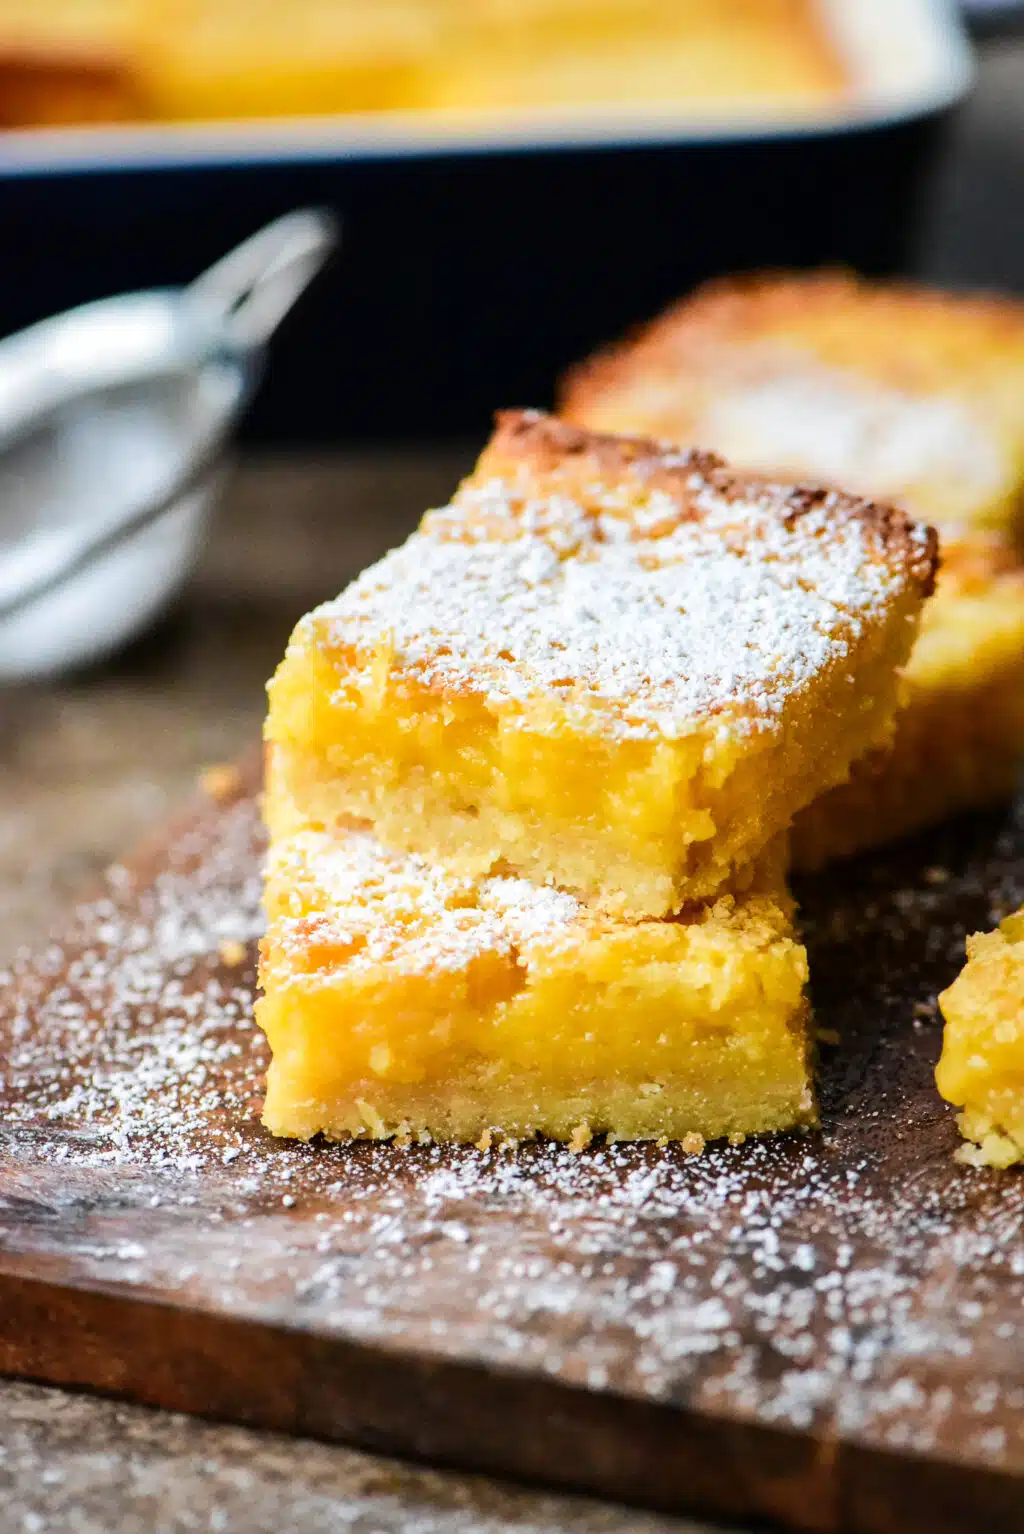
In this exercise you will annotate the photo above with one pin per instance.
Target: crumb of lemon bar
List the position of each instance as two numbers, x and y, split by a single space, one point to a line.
981 1069
222 781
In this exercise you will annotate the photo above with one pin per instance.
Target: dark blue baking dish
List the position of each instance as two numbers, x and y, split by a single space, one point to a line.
482 255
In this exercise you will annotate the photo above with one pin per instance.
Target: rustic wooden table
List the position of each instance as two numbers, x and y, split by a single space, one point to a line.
86 765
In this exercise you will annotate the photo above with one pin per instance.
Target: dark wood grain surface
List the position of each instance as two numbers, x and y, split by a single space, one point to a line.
821 1329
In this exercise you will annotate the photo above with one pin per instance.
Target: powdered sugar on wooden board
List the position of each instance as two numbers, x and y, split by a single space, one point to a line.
132 1032
854 1281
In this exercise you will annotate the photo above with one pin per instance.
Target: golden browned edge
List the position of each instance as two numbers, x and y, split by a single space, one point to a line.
731 309
532 444
56 87
974 558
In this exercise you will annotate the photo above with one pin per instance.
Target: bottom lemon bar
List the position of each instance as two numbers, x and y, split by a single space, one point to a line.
981 1069
960 735
401 999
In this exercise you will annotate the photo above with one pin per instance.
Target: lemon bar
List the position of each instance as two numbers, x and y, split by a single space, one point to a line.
981 1069
606 666
401 998
67 61
695 57
258 58
959 736
903 393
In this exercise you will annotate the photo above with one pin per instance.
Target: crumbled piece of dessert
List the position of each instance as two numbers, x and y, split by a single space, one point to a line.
981 1070
222 781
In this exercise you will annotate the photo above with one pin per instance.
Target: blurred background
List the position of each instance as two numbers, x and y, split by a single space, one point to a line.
518 179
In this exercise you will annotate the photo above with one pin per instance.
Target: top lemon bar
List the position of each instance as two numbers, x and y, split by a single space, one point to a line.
900 392
606 665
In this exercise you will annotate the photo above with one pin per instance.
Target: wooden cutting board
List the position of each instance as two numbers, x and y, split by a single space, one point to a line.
825 1330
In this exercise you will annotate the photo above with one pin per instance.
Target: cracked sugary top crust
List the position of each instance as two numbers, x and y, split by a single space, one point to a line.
558 458
641 591
345 899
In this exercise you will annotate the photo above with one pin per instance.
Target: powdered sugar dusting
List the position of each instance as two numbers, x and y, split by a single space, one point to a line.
854 1282
132 1034
638 613
795 416
375 905
530 911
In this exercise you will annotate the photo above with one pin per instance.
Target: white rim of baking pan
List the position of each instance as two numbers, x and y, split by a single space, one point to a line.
909 59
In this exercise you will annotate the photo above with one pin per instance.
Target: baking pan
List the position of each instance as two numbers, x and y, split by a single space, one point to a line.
482 253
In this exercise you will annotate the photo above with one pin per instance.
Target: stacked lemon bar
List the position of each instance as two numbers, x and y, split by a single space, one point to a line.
904 393
529 780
